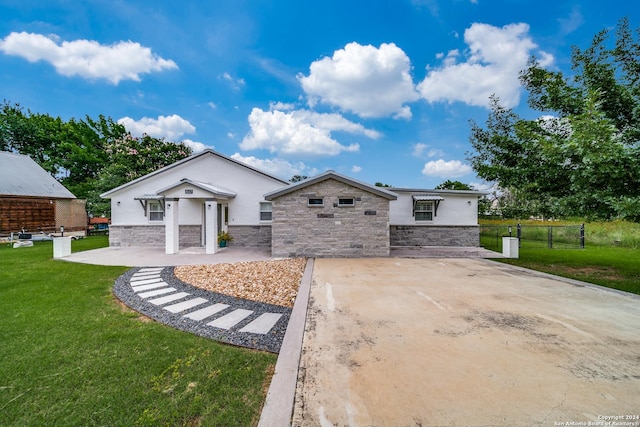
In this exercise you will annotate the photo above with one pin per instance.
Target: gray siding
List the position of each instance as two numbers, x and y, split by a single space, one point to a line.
330 231
429 235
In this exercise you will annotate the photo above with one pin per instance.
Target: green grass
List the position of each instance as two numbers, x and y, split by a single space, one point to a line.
70 354
610 258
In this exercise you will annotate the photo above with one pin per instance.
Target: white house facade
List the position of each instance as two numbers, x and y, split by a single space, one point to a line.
188 203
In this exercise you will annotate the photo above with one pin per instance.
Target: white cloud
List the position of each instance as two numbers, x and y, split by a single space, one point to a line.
236 84
300 132
450 169
278 167
365 80
124 60
356 168
195 146
212 105
282 106
231 135
420 148
494 60
170 127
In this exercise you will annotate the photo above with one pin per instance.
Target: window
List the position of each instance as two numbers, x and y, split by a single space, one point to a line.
156 212
346 201
423 211
265 211
316 201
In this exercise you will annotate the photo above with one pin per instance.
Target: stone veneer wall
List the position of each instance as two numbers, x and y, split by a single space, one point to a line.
431 235
152 235
250 236
330 231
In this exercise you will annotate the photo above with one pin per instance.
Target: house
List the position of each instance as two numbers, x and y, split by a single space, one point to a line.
187 203
33 200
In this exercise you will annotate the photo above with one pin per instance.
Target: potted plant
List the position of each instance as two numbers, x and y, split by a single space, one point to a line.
224 238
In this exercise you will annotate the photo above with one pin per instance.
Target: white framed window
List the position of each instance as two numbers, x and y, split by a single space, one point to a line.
423 211
346 201
156 212
315 201
266 211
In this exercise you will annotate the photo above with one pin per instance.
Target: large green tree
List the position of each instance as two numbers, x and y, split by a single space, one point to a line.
87 156
582 156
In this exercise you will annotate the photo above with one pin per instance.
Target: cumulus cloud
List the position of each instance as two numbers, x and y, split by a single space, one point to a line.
300 132
278 167
196 146
170 127
494 59
365 80
442 169
124 60
356 168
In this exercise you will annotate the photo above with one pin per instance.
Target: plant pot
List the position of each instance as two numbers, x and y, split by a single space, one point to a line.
223 243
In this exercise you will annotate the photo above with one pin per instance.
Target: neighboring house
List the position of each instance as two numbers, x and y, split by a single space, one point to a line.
31 199
187 203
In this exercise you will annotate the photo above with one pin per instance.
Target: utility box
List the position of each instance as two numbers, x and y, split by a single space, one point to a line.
61 247
510 247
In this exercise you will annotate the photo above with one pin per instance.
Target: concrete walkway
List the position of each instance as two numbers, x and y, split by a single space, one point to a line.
155 257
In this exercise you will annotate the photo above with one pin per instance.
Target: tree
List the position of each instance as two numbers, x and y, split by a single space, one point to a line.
130 158
453 185
379 184
584 158
298 178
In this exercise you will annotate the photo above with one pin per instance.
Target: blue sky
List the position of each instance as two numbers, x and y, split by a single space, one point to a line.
377 90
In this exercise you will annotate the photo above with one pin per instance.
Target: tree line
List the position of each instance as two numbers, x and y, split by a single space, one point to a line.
581 157
88 156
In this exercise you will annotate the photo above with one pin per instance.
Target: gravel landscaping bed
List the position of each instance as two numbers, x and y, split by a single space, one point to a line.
271 282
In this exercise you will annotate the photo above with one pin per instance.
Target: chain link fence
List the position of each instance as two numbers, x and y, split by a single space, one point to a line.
541 236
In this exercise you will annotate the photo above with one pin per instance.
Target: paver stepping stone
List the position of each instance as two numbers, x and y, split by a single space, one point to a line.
150 286
168 298
156 292
145 269
146 274
262 324
185 305
209 311
229 320
146 282
136 279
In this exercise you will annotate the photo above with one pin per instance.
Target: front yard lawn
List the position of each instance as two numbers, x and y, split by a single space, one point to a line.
72 355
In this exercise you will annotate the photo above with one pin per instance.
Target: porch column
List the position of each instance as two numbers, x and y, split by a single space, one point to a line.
171 226
211 226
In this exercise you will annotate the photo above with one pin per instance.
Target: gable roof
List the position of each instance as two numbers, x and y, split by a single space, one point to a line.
215 190
20 175
207 152
332 175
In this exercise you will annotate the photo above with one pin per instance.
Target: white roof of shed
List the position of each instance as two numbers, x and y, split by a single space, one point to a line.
21 176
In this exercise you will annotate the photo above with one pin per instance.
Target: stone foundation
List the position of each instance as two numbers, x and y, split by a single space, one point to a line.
420 235
250 236
152 236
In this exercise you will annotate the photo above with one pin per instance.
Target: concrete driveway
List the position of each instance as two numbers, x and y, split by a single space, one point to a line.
464 342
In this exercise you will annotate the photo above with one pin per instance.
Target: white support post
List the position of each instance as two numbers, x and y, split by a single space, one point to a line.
171 226
211 226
